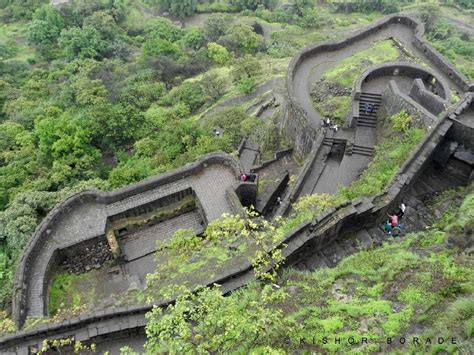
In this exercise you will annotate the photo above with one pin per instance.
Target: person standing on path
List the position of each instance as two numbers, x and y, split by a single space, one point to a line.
401 211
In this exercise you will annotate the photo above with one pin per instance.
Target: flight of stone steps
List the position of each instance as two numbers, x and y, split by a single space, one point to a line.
362 150
417 217
368 118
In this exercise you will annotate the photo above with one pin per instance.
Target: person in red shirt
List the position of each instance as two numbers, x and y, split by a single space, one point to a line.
393 220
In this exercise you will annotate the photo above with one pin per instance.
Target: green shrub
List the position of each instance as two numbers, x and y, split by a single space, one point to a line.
246 84
401 121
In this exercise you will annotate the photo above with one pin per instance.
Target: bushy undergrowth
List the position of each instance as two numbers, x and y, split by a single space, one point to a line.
373 294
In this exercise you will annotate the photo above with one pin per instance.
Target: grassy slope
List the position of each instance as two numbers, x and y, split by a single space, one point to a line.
345 73
419 285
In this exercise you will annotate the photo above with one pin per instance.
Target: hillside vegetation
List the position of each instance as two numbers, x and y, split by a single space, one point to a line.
104 93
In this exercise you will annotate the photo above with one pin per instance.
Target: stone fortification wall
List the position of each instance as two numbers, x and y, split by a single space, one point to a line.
395 101
463 131
33 246
296 125
303 175
420 103
310 235
41 235
427 99
406 69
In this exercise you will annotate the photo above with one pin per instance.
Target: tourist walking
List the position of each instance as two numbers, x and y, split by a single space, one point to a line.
401 211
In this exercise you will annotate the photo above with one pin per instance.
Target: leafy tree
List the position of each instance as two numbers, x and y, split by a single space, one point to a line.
242 39
301 6
83 42
45 29
160 47
193 39
16 159
164 29
218 53
19 9
246 67
66 142
180 8
141 93
207 322
429 15
252 4
216 25
104 23
214 85
130 171
246 84
189 93
314 18
8 50
230 120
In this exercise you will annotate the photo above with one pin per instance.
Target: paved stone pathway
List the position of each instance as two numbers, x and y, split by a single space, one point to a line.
417 216
312 68
141 243
249 155
88 220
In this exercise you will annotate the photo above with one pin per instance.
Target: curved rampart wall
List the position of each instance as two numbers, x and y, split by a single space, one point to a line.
314 234
43 231
324 229
395 100
33 246
296 125
402 69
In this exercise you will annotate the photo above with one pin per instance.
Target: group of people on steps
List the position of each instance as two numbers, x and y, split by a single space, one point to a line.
392 226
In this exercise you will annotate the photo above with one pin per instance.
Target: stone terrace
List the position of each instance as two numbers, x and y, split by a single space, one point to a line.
88 220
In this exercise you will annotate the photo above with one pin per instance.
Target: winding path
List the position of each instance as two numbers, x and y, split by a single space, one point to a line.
127 322
312 68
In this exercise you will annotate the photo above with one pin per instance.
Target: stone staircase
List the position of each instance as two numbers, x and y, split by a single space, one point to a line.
329 141
362 150
368 119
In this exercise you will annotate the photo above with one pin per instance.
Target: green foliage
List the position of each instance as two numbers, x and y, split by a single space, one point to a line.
401 121
218 53
57 294
205 321
347 70
189 93
375 293
231 120
193 39
216 25
163 28
45 29
83 42
6 324
246 85
251 4
241 39
215 85
302 6
179 8
130 171
104 23
184 240
245 67
388 158
314 18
